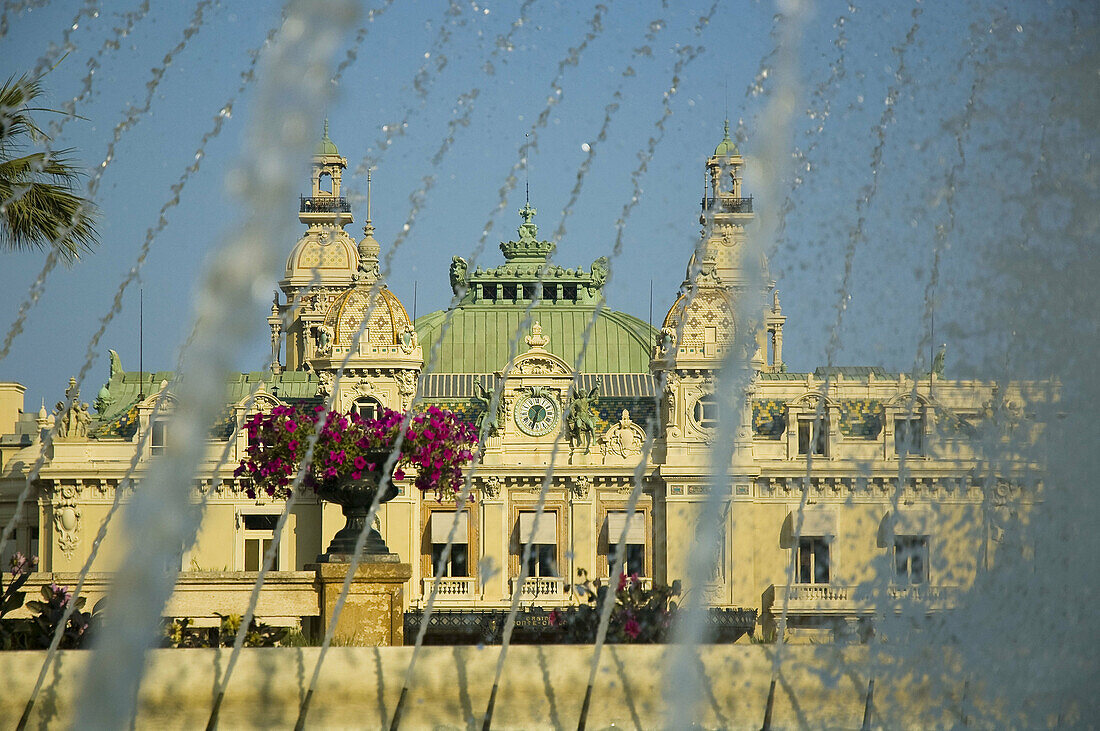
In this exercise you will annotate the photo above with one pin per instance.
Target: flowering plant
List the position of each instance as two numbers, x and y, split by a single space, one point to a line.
436 445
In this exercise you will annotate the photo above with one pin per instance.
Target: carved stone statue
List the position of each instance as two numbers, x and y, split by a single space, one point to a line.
937 362
666 339
488 416
324 340
600 270
458 275
581 422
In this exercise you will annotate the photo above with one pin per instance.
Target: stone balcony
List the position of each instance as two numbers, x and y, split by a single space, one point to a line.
854 600
540 588
452 588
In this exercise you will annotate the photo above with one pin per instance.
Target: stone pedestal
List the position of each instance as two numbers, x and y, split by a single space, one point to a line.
373 611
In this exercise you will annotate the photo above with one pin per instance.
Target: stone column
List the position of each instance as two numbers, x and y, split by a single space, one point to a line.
373 613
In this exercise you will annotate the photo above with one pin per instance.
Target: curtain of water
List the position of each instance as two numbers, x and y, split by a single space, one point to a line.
857 235
684 681
161 517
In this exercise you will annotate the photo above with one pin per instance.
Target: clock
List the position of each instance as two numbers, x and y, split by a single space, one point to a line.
536 415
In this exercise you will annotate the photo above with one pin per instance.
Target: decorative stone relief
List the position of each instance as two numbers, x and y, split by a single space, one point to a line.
325 381
406 387
66 517
623 439
580 486
490 488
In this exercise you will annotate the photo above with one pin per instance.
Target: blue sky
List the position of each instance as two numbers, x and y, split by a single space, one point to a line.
952 53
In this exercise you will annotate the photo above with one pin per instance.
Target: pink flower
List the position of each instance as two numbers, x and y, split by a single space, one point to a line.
360 463
632 628
290 425
399 474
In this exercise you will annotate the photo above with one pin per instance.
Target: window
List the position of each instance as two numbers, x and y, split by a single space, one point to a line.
439 525
529 291
911 559
543 560
813 431
489 291
633 550
706 411
259 534
909 436
569 292
367 407
813 560
159 437
508 292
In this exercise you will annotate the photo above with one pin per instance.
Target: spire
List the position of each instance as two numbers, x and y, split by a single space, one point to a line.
368 228
369 248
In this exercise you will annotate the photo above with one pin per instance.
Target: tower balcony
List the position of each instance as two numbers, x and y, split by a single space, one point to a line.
728 204
323 204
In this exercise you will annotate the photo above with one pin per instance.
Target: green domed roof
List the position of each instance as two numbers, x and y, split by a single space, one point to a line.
326 146
480 337
726 148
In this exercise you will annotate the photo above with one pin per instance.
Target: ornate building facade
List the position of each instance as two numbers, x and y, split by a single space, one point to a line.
852 490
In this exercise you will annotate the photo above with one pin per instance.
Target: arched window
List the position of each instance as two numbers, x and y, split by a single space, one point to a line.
367 407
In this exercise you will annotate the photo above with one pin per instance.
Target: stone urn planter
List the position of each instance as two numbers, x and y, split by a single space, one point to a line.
355 498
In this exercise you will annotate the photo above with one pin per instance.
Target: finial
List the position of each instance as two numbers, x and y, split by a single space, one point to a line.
536 339
725 130
368 228
527 212
326 128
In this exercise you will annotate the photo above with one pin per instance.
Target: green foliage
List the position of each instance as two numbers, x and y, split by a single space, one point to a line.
11 599
47 616
182 633
40 209
639 615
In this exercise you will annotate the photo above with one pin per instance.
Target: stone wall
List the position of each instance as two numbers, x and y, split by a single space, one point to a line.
542 687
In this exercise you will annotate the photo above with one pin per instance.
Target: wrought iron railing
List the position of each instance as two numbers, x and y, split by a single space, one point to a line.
323 204
726 204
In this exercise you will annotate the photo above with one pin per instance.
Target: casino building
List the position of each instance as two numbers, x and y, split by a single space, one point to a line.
901 509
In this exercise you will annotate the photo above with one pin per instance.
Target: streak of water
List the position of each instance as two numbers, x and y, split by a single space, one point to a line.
434 63
112 43
161 517
353 50
131 117
522 328
609 111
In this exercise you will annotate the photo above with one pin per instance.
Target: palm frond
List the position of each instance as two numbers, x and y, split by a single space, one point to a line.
38 206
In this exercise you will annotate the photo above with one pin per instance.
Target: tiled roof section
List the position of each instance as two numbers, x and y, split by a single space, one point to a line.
435 386
784 376
860 372
769 417
120 418
482 338
861 417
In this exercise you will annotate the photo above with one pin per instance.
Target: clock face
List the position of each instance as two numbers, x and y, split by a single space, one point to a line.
536 415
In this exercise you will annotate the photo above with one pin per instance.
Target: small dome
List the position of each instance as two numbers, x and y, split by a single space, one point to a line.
324 254
709 307
326 146
388 318
726 148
